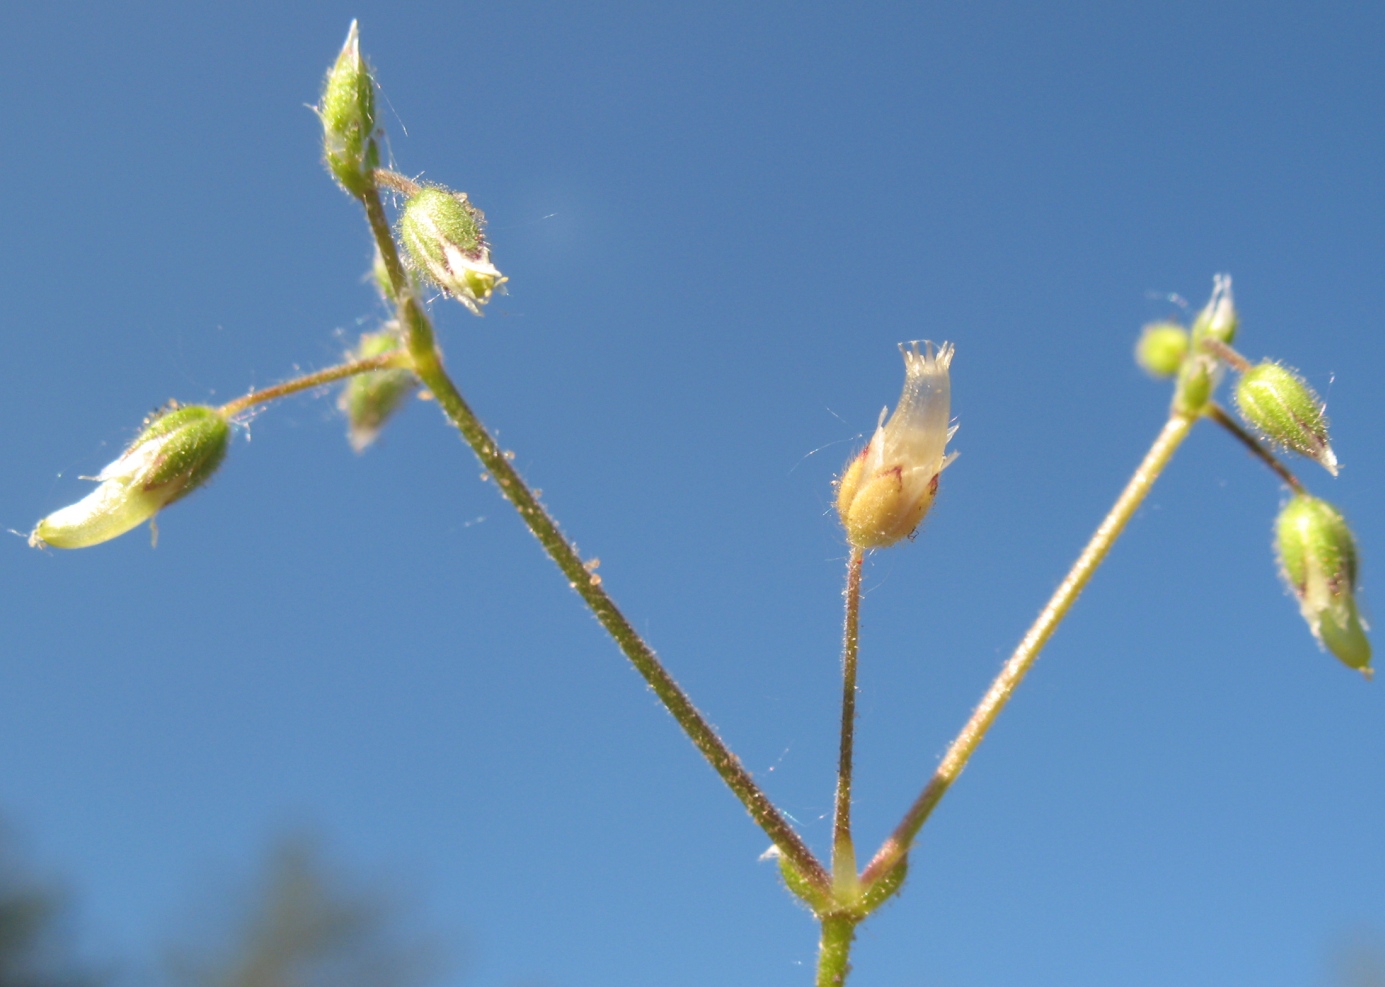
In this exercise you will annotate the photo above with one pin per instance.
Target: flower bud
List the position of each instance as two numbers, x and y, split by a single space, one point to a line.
370 398
1202 371
884 492
1317 556
1218 319
1281 405
442 233
175 454
347 110
1161 348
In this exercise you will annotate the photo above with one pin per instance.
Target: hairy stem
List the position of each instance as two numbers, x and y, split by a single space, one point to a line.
843 851
427 364
385 361
1226 354
834 950
1218 414
396 182
1175 430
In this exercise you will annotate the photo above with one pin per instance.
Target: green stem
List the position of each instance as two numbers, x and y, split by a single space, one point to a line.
1175 430
834 950
385 361
1226 354
1218 414
397 182
427 364
844 874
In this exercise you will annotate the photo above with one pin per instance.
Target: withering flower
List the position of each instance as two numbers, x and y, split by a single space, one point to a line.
884 492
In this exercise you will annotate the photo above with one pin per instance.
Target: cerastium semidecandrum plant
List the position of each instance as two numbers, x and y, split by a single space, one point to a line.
882 495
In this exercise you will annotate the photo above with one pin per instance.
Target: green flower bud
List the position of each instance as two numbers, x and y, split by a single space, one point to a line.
885 491
175 454
347 109
1161 348
1281 405
1317 556
1202 372
370 398
442 233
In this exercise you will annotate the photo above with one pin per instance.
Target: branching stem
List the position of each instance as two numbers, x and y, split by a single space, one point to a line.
385 361
843 852
427 364
1218 414
1175 430
397 182
1226 354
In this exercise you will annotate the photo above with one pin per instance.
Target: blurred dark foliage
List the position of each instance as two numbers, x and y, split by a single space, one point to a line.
35 949
308 926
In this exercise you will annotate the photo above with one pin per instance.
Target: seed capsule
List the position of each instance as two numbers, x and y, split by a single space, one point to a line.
1280 404
1317 556
347 110
442 233
174 455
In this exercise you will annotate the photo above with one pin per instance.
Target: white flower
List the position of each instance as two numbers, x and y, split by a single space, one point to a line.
885 492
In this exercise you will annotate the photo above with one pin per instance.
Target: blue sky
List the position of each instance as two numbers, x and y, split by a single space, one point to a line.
718 221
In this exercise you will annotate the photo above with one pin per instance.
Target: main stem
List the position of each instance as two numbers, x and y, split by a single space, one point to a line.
843 851
1175 430
427 364
834 950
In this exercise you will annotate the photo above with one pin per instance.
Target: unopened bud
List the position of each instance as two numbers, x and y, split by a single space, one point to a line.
370 398
347 109
1202 371
1161 348
1218 319
174 455
1317 555
884 492
443 234
1281 405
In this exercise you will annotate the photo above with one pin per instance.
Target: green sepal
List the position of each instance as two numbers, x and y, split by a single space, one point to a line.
370 398
816 898
1311 532
347 110
1218 319
1202 371
1280 405
1318 558
195 441
435 216
444 240
884 887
